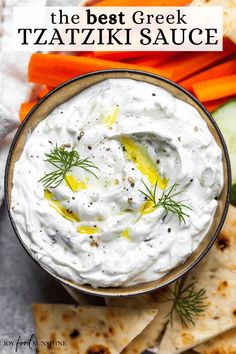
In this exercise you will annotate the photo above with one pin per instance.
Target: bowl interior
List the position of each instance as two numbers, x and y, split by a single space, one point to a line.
75 86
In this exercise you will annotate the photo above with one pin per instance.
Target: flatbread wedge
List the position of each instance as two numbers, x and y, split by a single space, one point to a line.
229 14
147 339
226 342
222 344
217 275
87 329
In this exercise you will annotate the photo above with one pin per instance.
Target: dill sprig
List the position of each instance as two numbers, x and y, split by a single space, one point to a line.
188 303
167 201
64 160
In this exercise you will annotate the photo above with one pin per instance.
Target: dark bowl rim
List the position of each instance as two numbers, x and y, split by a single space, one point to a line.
214 236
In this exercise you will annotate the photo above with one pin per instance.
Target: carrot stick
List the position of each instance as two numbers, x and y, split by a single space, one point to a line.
119 56
191 63
227 68
155 58
52 70
136 57
142 3
146 62
25 108
141 58
85 54
44 91
213 105
215 88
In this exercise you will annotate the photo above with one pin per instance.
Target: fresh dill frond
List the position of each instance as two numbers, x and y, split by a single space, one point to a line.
167 201
149 195
63 161
188 303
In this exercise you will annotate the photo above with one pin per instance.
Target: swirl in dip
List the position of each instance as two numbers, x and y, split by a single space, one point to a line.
104 231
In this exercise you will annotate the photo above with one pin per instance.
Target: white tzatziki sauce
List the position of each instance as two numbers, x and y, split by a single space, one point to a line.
102 230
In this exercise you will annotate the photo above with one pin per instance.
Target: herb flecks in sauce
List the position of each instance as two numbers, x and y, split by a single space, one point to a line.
63 161
167 201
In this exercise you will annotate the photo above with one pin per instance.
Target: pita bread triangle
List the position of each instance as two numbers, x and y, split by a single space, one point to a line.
147 339
87 329
223 344
217 274
226 342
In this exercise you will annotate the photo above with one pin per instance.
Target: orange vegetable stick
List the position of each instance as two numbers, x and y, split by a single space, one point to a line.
227 68
215 88
137 57
52 70
155 59
213 105
142 3
25 108
191 63
146 62
119 56
86 54
44 91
